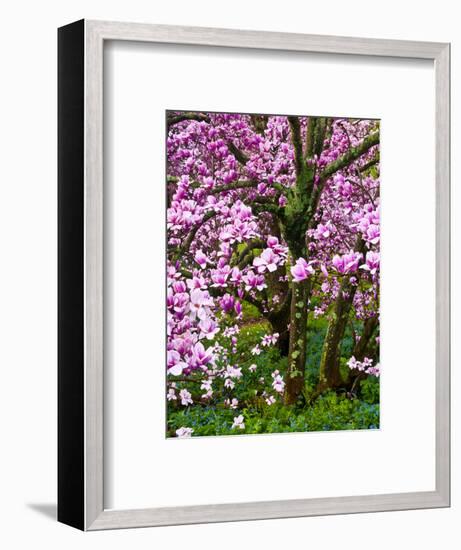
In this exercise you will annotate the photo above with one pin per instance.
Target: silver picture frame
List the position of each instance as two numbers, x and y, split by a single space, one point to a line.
80 311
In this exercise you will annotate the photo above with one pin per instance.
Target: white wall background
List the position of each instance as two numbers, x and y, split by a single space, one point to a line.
28 274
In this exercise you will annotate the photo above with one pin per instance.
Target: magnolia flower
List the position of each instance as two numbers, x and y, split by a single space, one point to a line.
324 231
208 328
270 400
184 432
219 276
374 371
200 355
236 275
278 384
201 258
227 303
239 422
196 282
200 300
268 260
269 339
228 383
371 262
174 364
232 404
301 270
272 242
373 234
233 372
171 395
282 201
366 365
206 385
186 398
252 367
230 331
347 263
253 281
238 309
256 350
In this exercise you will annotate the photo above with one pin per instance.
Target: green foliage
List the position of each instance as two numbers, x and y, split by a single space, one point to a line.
326 412
369 390
329 412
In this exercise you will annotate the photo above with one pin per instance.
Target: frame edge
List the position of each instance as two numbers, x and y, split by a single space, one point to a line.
71 494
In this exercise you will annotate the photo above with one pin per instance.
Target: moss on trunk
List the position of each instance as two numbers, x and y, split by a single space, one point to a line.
297 346
330 376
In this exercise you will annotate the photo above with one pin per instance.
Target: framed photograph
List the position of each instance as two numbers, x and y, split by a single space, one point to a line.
243 333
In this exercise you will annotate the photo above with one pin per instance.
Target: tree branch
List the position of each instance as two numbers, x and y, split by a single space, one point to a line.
252 245
369 164
348 158
191 235
297 143
320 131
254 302
240 184
310 136
260 205
175 119
238 154
342 162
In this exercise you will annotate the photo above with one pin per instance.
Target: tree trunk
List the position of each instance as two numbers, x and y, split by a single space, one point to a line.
361 346
330 376
297 346
280 324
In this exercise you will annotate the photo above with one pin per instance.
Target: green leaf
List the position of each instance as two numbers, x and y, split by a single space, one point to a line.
295 354
298 315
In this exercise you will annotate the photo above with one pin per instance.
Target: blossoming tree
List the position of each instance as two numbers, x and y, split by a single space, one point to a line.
281 213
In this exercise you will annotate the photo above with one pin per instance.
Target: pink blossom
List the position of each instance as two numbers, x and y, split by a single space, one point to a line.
269 339
347 263
200 355
227 303
206 385
201 258
239 422
219 276
324 231
200 300
208 328
186 398
278 384
174 363
256 350
373 234
254 281
301 270
268 260
184 432
371 262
